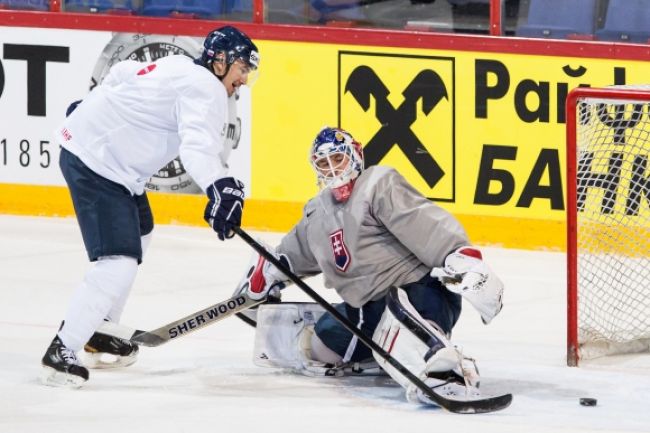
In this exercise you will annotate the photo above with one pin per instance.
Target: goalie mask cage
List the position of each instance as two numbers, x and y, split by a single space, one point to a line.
608 221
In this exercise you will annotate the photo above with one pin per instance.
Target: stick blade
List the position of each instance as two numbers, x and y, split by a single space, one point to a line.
143 338
148 339
117 330
484 405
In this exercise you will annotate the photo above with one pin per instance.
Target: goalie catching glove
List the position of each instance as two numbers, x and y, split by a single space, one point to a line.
262 279
466 273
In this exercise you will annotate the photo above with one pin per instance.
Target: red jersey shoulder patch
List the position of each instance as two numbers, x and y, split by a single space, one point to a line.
147 69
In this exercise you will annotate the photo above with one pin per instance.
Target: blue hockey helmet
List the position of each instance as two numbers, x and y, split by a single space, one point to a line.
337 159
229 44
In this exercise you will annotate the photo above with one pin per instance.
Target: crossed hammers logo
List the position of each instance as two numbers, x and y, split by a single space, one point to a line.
396 122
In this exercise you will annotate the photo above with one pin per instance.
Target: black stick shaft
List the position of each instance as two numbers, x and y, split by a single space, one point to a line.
338 316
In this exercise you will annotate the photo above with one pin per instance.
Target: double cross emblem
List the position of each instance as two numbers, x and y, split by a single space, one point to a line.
396 121
618 121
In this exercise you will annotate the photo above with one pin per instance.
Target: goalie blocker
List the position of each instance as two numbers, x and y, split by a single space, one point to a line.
285 338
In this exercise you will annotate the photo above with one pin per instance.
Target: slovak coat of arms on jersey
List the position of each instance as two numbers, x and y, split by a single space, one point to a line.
342 257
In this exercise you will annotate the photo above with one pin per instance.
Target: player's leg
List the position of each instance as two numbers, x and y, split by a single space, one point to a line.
334 336
103 351
422 346
285 338
318 343
145 218
116 311
105 283
108 219
434 302
436 305
430 298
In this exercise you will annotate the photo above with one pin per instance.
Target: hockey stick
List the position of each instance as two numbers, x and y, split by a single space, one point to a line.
180 327
483 405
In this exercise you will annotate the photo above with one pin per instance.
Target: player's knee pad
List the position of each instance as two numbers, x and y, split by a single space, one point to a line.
112 276
420 347
285 338
124 266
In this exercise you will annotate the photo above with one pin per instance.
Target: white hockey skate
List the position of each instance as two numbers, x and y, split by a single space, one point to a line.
103 351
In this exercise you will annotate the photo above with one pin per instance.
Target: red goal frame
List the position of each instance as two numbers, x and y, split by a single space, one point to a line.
573 98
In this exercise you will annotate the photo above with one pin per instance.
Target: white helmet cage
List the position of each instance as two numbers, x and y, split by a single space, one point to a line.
336 157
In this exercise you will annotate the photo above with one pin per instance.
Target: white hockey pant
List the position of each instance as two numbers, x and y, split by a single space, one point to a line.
420 347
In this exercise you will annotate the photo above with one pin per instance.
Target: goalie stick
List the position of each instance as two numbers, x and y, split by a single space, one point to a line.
180 327
481 405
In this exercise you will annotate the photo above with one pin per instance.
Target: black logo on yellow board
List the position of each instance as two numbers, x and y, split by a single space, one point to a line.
388 107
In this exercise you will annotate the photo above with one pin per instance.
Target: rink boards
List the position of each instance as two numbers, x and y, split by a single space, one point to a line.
479 126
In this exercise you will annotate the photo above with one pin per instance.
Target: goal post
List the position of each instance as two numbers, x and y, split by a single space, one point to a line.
608 221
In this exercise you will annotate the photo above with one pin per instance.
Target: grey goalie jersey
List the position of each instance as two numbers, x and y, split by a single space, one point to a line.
386 234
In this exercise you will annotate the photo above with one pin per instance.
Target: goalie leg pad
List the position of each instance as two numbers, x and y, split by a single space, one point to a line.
423 349
285 338
280 333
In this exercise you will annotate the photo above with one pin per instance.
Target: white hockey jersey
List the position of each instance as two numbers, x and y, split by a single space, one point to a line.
386 234
144 115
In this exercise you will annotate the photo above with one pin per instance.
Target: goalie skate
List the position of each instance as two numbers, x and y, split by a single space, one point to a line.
450 391
457 388
448 378
103 351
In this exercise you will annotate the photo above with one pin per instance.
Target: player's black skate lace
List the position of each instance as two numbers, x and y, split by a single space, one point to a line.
100 343
63 360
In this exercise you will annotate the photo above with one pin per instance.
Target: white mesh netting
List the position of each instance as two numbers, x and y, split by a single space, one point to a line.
613 240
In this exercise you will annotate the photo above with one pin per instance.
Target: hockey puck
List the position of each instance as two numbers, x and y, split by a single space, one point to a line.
588 401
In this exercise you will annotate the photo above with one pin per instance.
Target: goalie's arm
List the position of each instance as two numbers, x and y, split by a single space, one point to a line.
465 273
295 245
262 279
426 229
438 239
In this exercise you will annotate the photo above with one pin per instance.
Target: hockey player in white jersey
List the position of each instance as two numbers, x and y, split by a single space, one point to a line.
400 263
141 117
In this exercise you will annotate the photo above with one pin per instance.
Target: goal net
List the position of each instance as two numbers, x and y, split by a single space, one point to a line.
608 221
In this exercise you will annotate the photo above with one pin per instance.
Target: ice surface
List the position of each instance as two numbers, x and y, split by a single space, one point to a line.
206 381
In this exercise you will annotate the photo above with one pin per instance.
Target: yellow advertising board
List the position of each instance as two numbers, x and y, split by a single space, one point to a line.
482 134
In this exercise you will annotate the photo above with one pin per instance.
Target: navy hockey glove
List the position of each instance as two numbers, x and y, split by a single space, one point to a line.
225 205
72 107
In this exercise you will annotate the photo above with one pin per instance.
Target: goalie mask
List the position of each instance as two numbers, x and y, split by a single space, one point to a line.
228 44
337 159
